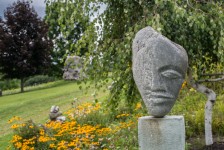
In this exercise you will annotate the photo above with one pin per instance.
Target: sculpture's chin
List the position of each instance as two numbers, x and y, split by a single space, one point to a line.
157 114
160 110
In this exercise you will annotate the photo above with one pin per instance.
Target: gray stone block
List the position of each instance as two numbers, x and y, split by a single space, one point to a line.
167 133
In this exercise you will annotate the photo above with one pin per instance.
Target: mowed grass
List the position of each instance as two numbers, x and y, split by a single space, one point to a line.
35 104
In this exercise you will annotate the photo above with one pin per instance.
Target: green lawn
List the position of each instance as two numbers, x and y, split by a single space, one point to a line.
36 103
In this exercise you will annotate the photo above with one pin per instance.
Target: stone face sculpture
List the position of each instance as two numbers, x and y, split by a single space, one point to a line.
159 68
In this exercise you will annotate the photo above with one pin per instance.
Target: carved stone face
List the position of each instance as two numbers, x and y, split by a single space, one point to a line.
159 68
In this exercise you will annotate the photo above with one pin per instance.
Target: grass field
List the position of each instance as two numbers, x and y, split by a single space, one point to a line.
36 102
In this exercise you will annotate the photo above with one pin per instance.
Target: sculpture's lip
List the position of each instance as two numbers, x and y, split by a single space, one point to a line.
161 95
157 98
160 101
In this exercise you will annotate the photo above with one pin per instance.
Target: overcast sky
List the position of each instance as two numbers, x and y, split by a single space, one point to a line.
39 6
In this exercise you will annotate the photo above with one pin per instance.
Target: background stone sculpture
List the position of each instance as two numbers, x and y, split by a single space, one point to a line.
56 115
159 68
73 68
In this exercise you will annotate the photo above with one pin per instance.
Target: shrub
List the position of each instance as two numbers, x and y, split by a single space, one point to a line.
9 84
39 79
191 105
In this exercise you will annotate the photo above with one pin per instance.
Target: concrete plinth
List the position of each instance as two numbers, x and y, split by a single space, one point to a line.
167 133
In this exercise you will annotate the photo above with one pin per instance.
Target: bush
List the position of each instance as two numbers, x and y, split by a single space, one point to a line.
38 79
9 84
191 105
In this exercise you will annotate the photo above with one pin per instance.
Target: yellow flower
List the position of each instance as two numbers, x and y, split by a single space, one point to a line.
62 145
103 131
43 139
95 143
122 115
138 106
72 144
15 126
15 118
16 138
184 84
18 144
41 132
52 146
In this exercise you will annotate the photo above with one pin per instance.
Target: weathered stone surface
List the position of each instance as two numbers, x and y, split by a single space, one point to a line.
73 68
159 68
56 115
166 133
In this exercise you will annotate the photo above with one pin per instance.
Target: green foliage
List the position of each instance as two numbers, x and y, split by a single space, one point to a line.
215 72
64 26
191 105
197 26
38 79
9 84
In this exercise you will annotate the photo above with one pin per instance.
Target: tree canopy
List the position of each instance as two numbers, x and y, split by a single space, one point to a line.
24 46
196 25
64 27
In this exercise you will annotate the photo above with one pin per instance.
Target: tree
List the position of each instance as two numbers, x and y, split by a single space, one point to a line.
64 27
198 29
196 25
24 46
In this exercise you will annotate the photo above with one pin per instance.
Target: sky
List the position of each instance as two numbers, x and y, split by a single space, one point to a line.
39 6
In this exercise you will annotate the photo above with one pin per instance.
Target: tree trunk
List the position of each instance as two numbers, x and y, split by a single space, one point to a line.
208 108
0 92
22 85
208 119
208 111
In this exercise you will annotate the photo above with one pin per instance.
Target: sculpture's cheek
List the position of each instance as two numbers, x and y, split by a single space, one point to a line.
175 87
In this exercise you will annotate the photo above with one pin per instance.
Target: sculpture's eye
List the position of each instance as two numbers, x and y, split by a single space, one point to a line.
171 74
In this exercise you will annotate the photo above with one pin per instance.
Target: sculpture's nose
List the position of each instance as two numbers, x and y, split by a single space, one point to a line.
158 84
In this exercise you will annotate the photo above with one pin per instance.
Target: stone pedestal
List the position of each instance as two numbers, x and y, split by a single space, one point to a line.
167 133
